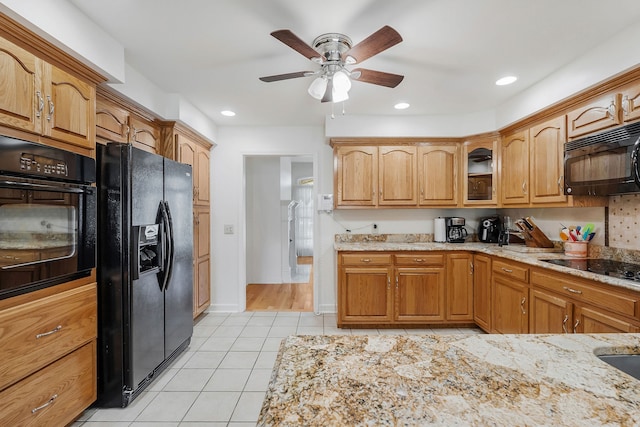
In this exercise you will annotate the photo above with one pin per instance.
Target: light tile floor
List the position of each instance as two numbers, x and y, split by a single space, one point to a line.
222 378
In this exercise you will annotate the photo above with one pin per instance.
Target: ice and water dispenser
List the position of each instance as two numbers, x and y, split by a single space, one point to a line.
147 251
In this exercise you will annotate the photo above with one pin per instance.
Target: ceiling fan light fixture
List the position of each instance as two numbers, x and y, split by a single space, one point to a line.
341 81
317 87
339 95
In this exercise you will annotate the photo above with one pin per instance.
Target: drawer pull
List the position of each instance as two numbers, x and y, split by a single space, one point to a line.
573 291
564 323
365 259
53 331
419 259
507 270
45 404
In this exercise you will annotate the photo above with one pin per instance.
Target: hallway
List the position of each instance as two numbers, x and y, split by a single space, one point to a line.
283 297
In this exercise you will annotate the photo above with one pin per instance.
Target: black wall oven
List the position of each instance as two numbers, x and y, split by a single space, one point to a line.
47 216
603 164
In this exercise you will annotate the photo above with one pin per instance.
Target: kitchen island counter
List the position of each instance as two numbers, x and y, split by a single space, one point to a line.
452 380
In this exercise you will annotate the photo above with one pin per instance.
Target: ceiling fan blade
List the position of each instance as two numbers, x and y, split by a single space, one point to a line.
287 76
328 93
381 40
295 43
376 77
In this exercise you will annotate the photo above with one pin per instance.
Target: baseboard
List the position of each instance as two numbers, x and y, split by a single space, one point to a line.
223 308
327 308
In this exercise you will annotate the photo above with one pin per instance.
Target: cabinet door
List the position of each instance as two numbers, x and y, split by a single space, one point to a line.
112 122
201 260
365 295
479 180
590 320
550 314
509 306
144 135
21 98
459 287
420 294
631 103
482 291
514 179
69 108
356 176
438 175
397 176
547 161
601 113
201 176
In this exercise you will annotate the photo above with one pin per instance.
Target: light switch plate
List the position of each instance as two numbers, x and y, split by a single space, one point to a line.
228 229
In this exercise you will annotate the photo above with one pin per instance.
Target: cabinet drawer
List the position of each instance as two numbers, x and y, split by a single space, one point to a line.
55 395
420 259
511 270
38 332
577 289
366 259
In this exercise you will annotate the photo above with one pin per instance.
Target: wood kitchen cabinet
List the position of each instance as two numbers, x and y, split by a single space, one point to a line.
144 135
631 102
194 150
482 291
595 115
565 304
438 175
48 347
546 161
419 288
112 121
480 172
509 297
397 176
42 99
459 286
356 177
514 171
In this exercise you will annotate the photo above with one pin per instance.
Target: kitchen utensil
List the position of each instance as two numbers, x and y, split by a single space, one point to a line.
563 235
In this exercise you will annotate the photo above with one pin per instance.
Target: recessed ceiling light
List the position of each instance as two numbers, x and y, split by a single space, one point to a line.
401 106
506 80
227 113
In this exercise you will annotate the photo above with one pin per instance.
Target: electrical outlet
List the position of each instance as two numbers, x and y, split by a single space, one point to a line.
374 229
228 229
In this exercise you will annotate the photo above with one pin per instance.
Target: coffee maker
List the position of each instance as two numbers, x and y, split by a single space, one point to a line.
456 233
489 229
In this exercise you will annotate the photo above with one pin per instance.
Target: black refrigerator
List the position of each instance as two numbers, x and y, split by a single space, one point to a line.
145 268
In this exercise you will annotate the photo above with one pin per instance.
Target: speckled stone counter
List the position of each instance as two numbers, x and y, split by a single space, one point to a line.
518 253
446 380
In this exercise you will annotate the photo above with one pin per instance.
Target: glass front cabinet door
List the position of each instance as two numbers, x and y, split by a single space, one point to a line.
480 168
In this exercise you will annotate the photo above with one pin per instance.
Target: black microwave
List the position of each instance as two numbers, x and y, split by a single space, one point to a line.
603 164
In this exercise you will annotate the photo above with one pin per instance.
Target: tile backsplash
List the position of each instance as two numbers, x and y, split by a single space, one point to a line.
624 213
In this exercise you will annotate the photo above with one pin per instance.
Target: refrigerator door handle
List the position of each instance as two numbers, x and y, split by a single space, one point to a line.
169 243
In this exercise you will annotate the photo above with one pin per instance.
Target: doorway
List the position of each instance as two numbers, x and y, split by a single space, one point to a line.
279 233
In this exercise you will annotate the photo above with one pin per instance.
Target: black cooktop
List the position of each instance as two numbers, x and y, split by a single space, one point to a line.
607 267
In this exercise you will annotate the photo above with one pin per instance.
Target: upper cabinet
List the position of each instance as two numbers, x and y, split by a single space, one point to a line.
397 176
515 168
356 177
198 156
40 98
631 102
438 174
112 121
144 134
600 113
546 161
480 177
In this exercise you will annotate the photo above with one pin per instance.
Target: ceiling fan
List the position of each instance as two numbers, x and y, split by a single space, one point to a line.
334 51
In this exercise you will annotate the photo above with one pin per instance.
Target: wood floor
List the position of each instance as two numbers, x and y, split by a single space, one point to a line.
282 297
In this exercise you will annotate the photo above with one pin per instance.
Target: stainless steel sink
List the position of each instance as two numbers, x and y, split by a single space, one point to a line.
628 363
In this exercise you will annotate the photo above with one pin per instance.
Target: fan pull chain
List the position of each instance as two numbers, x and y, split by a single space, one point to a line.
333 116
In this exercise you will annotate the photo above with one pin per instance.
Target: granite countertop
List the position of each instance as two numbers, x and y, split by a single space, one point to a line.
497 380
519 253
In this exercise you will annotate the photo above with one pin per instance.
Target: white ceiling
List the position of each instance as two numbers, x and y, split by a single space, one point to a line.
213 51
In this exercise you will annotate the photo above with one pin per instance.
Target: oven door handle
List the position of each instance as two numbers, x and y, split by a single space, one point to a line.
44 187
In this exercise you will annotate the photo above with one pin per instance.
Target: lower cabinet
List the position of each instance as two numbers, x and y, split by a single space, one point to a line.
48 351
482 291
509 298
563 305
201 260
410 288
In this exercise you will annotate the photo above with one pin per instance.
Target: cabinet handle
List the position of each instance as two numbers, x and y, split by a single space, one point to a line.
51 107
611 109
418 260
396 282
564 323
560 182
626 105
573 291
45 404
40 104
53 331
388 282
524 299
471 268
507 270
524 187
365 260
575 331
